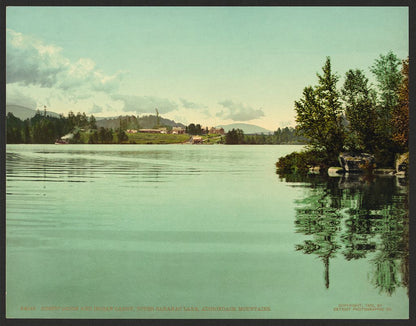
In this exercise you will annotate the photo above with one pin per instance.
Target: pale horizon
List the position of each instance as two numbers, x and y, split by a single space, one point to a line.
207 65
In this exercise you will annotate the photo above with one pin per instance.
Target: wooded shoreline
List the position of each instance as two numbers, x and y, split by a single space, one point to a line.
358 120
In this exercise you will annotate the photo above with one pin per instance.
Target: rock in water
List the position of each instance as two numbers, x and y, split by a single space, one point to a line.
335 171
356 162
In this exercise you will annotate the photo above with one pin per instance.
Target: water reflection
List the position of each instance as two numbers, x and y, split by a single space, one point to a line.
85 166
357 217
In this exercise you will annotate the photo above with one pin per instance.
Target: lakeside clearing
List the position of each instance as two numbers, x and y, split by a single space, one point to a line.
151 138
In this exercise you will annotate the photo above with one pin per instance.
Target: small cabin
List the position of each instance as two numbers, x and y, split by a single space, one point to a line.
178 130
217 131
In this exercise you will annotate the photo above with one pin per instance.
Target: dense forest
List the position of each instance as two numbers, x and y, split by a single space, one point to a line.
357 117
287 135
46 129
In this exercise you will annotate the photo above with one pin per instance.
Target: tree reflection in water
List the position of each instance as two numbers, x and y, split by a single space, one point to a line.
358 217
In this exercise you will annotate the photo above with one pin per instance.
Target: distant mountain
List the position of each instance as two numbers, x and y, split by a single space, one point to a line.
24 113
247 128
130 122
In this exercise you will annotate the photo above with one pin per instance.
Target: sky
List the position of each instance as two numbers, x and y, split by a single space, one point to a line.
207 65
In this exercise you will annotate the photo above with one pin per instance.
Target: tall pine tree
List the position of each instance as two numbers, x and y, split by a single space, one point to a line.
319 115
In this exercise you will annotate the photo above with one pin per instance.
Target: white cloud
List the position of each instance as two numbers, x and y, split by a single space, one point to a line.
238 111
191 105
145 104
31 62
95 109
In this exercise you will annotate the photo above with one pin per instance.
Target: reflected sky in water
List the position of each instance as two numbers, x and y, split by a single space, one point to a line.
198 225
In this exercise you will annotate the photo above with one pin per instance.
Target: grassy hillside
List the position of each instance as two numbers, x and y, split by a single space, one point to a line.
142 138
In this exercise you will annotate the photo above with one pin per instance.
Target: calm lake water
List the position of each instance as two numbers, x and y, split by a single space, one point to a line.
130 231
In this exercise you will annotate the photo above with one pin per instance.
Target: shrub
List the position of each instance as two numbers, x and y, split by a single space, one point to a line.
300 162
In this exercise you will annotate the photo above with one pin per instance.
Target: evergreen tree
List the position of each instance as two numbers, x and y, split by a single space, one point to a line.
44 132
387 72
234 136
121 136
386 69
93 137
193 129
319 115
360 111
26 133
71 123
92 122
13 129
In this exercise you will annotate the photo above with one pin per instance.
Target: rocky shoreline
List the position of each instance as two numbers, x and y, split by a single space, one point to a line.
357 163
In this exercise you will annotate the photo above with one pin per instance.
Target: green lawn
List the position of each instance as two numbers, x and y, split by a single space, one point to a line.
143 138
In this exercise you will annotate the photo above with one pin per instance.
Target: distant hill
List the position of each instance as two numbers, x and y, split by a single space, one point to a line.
132 122
24 113
247 128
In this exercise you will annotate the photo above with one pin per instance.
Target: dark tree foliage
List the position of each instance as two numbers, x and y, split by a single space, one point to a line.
93 137
400 115
105 135
121 136
234 137
26 132
360 112
386 69
371 120
319 114
287 135
299 162
13 130
44 132
375 223
45 129
92 122
193 129
71 120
